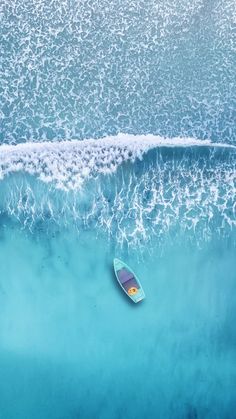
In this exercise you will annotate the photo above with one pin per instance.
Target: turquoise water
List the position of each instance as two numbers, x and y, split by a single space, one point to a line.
117 139
72 346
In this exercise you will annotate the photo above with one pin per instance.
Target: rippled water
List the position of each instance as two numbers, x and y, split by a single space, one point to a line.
104 185
86 69
117 139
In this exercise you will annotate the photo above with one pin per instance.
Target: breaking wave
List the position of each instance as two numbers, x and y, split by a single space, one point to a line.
68 163
133 188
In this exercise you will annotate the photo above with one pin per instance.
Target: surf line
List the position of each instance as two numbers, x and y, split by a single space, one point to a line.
68 163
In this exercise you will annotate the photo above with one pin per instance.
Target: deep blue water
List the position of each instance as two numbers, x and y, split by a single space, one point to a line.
117 139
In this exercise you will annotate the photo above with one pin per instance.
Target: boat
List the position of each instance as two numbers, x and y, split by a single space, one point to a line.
128 281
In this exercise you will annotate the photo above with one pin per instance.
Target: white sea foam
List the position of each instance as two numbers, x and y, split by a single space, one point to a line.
68 163
76 69
193 190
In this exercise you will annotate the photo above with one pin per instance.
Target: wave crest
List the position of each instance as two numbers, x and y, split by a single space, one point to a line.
68 163
190 189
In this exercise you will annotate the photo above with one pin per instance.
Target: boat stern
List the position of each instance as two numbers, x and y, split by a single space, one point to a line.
139 296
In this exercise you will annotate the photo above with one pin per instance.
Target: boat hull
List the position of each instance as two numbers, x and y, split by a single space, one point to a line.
128 281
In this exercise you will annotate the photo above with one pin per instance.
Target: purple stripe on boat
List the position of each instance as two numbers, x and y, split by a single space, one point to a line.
124 275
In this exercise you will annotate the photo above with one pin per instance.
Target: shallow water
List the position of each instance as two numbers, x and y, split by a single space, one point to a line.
73 346
117 139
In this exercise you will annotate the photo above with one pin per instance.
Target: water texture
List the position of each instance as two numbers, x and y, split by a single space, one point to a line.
87 69
117 139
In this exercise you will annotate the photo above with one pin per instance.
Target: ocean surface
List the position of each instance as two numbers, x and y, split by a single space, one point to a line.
117 139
